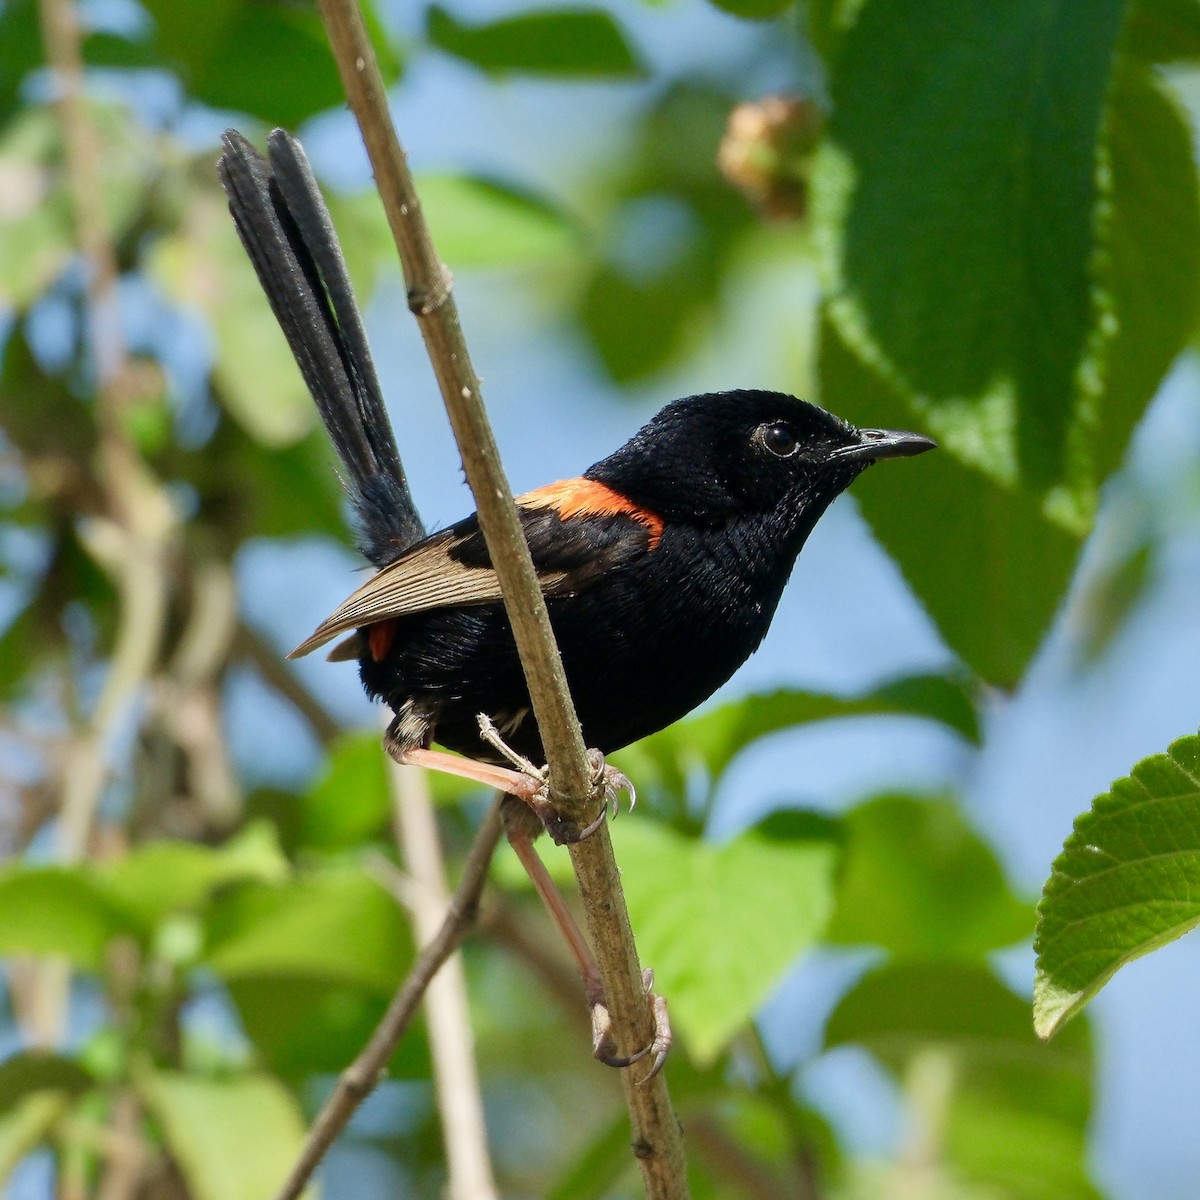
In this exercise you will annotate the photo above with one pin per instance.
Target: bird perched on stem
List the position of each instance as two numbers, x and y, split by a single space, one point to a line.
662 564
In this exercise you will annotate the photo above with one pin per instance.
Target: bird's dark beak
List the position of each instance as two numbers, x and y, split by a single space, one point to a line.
874 444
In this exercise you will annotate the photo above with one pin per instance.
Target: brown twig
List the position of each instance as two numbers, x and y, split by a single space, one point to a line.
451 1044
656 1137
357 1081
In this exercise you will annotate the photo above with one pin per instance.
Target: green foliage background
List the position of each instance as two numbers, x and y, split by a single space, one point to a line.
992 234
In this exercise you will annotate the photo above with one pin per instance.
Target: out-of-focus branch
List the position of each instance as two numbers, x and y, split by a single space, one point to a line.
451 1043
130 540
357 1081
656 1136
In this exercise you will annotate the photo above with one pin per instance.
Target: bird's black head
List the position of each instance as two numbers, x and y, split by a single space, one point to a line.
721 456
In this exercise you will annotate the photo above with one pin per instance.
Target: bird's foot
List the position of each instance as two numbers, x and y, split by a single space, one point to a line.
656 1049
530 784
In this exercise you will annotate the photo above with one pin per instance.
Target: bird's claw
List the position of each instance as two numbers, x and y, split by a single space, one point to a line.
613 781
658 1046
535 788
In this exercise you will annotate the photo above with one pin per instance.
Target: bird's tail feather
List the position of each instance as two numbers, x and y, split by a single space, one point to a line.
287 232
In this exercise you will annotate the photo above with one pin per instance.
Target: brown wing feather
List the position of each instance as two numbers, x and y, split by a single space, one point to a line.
577 529
426 578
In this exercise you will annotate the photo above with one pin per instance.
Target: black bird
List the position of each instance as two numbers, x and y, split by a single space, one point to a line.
662 565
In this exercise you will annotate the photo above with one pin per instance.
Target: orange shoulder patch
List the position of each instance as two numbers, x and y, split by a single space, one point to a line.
581 497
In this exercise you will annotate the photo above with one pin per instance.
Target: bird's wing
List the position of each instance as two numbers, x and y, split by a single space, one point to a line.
576 529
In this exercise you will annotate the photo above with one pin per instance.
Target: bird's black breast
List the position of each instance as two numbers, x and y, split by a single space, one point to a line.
642 646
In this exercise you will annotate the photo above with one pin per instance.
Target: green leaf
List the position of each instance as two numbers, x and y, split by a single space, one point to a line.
754 10
163 877
350 803
203 264
572 42
56 910
338 926
947 896
1127 881
897 1010
269 58
26 1125
988 566
34 1071
1163 31
233 1139
1150 269
710 742
1026 1155
956 198
483 223
301 1026
699 912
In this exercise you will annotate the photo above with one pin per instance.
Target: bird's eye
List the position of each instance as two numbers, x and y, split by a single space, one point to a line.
778 438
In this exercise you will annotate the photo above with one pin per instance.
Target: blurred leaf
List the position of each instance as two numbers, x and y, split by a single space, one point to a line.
1027 1155
1101 610
56 910
338 926
248 489
598 1169
701 912
1163 31
483 223
672 232
268 58
754 10
302 1027
902 1011
37 228
159 878
1150 270
1127 881
203 265
989 568
36 1071
234 1138
709 742
25 1125
570 41
947 266
946 894
350 803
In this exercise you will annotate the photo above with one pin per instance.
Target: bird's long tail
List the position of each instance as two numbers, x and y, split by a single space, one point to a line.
285 227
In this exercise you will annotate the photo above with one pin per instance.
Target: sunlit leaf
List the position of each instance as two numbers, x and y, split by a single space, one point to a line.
574 41
948 268
699 912
1127 881
162 877
57 910
483 223
919 882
